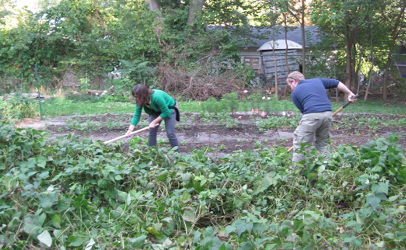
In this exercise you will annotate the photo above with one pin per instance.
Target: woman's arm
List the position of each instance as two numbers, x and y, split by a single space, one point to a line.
135 119
155 122
130 129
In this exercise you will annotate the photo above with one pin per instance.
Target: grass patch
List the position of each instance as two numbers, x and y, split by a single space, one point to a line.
373 107
63 107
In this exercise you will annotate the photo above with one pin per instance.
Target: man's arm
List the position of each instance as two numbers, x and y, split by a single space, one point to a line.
341 86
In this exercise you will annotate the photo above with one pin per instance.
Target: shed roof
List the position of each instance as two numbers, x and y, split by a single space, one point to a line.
262 35
254 37
280 45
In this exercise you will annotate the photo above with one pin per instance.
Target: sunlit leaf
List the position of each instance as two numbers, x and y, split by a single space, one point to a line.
45 238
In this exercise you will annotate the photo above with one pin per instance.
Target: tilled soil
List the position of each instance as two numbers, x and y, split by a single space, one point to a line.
195 132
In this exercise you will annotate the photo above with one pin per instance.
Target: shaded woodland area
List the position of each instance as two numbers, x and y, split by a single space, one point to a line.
84 45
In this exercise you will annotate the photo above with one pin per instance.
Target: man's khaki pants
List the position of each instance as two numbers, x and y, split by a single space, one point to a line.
314 127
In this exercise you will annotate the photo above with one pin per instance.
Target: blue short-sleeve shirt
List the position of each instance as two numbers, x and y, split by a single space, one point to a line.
310 95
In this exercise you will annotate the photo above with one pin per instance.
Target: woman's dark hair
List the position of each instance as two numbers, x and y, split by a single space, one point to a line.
142 94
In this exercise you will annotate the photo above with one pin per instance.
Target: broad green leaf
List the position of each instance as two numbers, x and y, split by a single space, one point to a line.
196 237
230 229
32 225
162 176
223 247
241 227
376 169
270 246
56 220
359 219
381 187
381 244
76 241
393 198
57 233
374 201
186 177
45 201
189 215
122 196
185 197
41 161
138 242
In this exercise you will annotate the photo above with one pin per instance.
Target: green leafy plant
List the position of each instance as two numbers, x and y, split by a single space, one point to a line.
231 102
213 106
17 107
385 158
149 197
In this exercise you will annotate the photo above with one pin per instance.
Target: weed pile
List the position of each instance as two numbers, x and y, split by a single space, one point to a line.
80 194
199 84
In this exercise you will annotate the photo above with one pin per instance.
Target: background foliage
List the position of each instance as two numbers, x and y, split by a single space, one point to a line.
83 41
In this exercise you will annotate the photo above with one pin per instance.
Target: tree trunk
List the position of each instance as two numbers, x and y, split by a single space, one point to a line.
361 53
286 55
154 6
395 34
195 9
372 66
275 71
369 78
286 45
348 49
302 25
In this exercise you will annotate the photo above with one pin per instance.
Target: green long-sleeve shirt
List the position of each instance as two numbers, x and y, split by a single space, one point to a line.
160 102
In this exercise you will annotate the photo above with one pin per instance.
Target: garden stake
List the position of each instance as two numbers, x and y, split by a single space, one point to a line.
336 112
124 136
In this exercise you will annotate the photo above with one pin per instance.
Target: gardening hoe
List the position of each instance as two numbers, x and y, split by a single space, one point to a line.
336 112
124 136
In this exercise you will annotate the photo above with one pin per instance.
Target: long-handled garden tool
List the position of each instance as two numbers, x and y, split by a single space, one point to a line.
124 136
336 112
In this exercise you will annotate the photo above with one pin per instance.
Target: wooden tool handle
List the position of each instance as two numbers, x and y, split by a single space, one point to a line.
124 136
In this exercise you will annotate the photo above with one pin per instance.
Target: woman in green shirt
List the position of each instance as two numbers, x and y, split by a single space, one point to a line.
159 106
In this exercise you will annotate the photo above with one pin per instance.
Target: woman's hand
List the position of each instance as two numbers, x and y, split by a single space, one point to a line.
130 130
155 122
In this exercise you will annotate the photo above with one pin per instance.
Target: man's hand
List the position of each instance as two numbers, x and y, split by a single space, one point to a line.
341 87
352 97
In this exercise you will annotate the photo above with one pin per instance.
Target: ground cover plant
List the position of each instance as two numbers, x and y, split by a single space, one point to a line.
73 194
233 185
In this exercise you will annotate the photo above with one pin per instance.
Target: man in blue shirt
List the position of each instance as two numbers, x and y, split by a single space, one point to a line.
310 97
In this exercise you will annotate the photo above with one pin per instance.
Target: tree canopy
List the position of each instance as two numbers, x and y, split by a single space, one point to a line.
94 37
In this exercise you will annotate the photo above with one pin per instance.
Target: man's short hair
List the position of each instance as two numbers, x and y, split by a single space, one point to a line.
295 75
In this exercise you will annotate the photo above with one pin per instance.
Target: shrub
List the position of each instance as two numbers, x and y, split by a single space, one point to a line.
17 107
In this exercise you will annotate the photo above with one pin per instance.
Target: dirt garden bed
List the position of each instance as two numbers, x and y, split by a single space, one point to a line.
244 132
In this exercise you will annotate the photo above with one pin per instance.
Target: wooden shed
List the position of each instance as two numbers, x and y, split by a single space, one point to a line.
259 49
278 58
